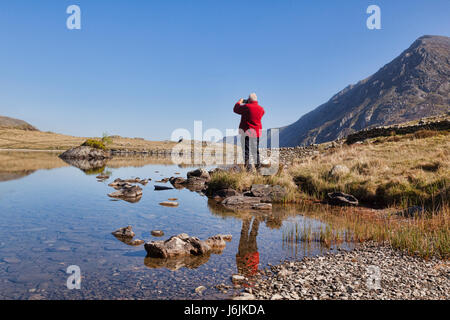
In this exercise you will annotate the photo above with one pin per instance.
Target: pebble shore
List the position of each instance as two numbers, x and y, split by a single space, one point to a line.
351 275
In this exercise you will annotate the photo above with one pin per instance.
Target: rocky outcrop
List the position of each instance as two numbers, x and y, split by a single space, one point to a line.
85 153
184 245
340 198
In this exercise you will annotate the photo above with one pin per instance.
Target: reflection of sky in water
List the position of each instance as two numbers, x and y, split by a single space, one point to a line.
55 218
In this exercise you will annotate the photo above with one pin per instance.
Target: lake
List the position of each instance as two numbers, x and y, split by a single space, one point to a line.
53 215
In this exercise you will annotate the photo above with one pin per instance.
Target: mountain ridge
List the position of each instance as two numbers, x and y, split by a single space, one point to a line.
412 86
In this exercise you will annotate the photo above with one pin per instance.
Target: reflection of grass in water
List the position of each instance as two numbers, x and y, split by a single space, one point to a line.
303 232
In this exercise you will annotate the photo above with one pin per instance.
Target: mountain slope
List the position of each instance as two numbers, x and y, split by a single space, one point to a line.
414 85
11 123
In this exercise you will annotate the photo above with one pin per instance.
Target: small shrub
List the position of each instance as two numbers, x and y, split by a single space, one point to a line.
93 143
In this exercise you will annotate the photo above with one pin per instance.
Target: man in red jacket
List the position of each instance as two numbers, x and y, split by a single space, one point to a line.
250 127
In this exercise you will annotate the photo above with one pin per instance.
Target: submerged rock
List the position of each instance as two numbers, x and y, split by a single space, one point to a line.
86 153
157 233
340 198
184 245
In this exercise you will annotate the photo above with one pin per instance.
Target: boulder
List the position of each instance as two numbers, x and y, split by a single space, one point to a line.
86 153
340 198
338 171
225 193
199 173
184 245
177 180
268 193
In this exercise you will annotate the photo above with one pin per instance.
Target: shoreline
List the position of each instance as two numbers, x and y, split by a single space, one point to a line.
347 275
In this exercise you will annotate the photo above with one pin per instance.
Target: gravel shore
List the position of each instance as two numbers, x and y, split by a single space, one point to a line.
349 274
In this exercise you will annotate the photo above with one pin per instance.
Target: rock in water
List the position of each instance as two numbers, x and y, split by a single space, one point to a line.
169 204
127 191
184 245
85 153
157 233
199 173
125 232
340 198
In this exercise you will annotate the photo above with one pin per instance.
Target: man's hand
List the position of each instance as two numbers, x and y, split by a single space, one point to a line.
241 101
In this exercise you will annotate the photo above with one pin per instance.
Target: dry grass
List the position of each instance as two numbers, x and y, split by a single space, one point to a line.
37 140
408 171
243 180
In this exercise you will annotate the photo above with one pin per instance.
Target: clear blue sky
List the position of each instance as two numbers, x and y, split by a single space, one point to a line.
144 68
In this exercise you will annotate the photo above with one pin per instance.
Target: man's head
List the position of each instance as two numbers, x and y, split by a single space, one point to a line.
252 97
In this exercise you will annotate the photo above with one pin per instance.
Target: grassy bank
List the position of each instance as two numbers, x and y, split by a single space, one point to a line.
398 170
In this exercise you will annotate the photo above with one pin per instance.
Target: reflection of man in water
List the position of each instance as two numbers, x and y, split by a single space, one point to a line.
247 257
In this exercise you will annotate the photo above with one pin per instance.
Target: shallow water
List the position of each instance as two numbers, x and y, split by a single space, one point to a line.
61 216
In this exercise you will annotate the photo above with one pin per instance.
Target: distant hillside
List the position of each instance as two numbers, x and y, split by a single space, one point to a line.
414 85
11 123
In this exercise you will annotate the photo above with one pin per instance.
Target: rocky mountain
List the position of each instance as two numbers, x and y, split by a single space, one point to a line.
11 123
414 85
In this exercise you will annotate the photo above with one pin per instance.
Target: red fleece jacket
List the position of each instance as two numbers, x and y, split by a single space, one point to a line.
251 114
